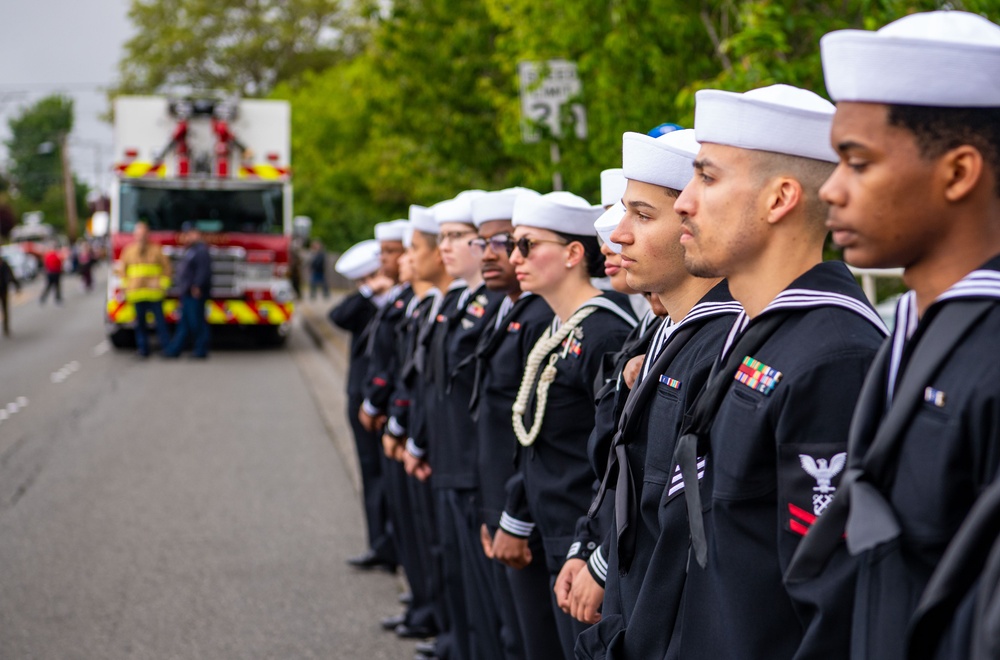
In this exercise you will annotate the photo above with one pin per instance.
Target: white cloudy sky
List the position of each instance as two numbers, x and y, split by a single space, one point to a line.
70 47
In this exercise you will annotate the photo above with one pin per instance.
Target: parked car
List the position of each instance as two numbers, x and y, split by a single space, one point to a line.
25 267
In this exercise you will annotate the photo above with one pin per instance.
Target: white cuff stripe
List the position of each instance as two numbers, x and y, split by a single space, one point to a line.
395 428
411 446
598 563
515 526
369 409
573 550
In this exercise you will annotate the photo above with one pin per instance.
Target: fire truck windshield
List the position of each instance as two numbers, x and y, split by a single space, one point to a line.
253 211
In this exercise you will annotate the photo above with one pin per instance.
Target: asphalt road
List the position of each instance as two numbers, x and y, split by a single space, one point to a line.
176 509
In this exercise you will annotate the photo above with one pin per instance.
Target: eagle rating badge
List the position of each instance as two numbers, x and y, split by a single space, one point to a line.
823 472
808 476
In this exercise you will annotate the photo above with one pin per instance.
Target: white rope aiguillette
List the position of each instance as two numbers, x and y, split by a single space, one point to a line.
542 347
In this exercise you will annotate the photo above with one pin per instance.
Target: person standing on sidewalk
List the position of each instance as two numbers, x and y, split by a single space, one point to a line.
317 271
145 273
7 278
85 266
194 282
53 275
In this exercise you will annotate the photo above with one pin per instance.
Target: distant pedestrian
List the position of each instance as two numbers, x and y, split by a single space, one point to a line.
317 271
7 278
145 273
194 281
85 266
53 275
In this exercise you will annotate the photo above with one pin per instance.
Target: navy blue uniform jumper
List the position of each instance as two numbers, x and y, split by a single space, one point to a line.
643 584
557 474
933 404
521 595
775 452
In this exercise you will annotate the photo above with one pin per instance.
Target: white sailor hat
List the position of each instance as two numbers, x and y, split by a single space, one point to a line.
608 222
662 161
557 211
612 186
422 219
497 205
780 118
359 260
458 209
391 231
937 58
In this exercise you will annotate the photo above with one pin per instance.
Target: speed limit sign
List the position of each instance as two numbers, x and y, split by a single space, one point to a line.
546 87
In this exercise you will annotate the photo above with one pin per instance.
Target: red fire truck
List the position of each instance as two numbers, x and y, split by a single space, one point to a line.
224 165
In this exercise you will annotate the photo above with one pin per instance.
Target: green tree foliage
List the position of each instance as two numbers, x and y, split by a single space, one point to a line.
633 56
244 46
36 137
407 121
763 42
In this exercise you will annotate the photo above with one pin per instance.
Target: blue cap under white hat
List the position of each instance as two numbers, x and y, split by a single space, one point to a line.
780 118
612 186
608 223
937 58
557 211
662 161
391 231
360 260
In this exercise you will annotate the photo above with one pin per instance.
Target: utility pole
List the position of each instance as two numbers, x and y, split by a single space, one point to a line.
70 190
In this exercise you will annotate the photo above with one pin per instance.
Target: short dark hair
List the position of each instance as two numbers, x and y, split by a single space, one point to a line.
432 239
937 130
591 252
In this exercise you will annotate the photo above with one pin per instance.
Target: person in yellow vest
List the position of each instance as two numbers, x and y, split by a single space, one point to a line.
145 273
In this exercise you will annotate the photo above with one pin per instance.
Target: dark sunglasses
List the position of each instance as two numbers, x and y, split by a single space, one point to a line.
525 245
499 243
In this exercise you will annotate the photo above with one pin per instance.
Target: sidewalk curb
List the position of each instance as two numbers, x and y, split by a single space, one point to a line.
331 400
334 342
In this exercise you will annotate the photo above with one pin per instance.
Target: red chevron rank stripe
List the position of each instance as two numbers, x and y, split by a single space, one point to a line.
799 520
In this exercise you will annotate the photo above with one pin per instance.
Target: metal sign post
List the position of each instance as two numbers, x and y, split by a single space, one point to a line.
546 87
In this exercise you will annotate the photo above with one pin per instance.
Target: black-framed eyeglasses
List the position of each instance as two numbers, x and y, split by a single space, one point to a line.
525 245
500 243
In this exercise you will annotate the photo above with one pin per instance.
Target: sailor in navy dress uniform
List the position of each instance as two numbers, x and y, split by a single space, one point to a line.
380 350
355 314
917 128
642 562
407 419
520 594
449 442
420 616
421 388
611 389
553 413
385 353
770 423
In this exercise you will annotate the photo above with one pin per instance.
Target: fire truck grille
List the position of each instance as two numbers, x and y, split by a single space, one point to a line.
227 263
